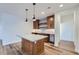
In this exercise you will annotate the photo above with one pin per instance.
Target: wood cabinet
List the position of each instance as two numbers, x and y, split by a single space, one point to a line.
33 48
50 22
36 24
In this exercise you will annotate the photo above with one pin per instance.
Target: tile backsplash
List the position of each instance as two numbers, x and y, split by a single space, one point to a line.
50 31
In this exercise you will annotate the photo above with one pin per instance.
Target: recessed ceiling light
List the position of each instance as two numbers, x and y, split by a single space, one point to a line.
42 12
61 5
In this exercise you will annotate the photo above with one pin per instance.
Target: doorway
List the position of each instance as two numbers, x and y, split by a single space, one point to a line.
67 31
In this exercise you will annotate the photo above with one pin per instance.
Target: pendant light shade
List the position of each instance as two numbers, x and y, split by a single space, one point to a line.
34 3
26 15
34 11
33 17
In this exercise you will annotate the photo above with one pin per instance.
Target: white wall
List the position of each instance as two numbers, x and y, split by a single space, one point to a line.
11 25
66 27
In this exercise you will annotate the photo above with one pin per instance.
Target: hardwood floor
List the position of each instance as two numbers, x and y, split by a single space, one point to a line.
68 45
49 49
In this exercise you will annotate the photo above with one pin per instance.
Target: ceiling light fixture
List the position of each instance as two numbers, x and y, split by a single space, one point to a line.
61 5
26 15
34 11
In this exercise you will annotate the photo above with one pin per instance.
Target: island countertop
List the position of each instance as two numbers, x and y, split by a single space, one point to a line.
32 37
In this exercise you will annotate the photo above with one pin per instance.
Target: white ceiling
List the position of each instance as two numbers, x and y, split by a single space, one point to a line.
19 8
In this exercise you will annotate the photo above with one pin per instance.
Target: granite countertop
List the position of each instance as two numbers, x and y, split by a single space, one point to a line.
31 37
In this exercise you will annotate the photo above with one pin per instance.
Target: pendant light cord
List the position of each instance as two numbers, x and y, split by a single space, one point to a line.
34 11
26 14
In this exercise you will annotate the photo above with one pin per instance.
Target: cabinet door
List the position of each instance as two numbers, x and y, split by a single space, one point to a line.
36 24
50 22
27 46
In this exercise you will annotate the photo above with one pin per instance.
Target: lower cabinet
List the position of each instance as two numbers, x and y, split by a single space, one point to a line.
33 48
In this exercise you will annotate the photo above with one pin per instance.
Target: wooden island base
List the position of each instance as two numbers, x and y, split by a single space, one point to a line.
33 48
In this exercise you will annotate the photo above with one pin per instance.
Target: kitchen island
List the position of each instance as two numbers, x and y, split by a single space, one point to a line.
33 44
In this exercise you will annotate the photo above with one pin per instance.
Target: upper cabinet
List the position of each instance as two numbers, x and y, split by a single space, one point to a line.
36 24
47 23
50 22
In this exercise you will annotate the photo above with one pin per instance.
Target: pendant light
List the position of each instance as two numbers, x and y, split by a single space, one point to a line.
26 15
34 11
